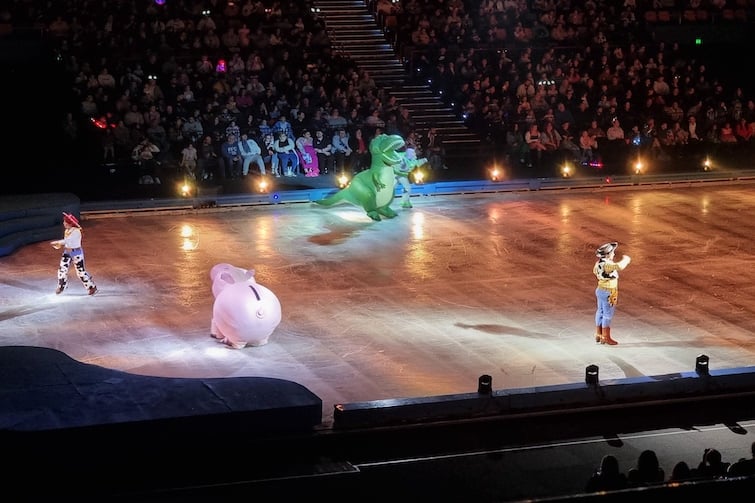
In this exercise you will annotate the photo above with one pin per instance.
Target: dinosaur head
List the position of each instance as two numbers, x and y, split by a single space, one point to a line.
384 148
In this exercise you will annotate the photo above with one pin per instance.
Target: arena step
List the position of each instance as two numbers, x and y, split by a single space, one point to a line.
356 34
27 219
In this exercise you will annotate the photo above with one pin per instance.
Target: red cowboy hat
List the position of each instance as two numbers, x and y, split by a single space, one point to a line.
70 219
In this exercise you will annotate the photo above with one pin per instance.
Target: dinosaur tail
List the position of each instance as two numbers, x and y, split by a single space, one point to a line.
331 200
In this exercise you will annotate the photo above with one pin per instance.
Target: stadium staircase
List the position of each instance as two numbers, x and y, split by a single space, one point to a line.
355 34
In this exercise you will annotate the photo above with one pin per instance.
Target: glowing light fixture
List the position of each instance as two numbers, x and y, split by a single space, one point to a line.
263 185
186 189
638 167
496 174
343 180
566 170
418 176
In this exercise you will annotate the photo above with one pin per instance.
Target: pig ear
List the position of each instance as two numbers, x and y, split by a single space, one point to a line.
249 274
227 277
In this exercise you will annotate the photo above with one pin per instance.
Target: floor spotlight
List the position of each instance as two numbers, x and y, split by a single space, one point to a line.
701 364
591 374
485 385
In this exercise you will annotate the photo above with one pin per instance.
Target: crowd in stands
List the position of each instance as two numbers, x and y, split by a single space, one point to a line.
647 471
148 79
594 70
533 77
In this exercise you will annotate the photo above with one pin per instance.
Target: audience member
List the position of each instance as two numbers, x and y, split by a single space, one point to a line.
71 129
587 146
647 471
230 164
569 143
268 142
726 134
192 129
516 147
680 136
432 145
615 132
300 123
108 145
283 126
360 146
307 155
681 473
189 157
250 153
207 161
744 466
711 466
145 155
550 138
693 134
595 131
341 149
324 150
607 477
534 142
232 129
742 130
335 120
285 151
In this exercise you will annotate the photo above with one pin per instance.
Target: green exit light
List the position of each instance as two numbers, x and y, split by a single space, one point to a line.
698 41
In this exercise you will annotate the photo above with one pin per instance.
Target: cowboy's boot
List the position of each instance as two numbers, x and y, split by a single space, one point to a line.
607 337
598 334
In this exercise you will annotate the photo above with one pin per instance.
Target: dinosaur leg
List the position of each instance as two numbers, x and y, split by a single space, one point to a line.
387 212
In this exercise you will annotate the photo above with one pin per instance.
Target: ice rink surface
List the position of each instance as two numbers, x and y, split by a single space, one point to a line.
419 305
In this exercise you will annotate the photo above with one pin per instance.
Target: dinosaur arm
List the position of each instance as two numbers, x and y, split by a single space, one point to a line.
376 181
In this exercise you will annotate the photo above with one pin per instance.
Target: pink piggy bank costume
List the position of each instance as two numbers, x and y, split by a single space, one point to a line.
244 312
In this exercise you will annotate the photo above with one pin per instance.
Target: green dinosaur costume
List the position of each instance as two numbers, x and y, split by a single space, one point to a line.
373 189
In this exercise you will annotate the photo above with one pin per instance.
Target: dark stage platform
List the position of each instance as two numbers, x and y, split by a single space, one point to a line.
44 390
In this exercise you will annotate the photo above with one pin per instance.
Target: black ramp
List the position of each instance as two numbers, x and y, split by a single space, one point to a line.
44 390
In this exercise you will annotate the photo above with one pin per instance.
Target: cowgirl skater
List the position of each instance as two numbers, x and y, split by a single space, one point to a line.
72 252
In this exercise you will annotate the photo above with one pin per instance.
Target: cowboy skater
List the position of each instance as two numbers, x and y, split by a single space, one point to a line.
607 291
72 251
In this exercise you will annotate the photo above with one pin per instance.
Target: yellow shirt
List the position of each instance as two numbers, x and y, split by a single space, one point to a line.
607 272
